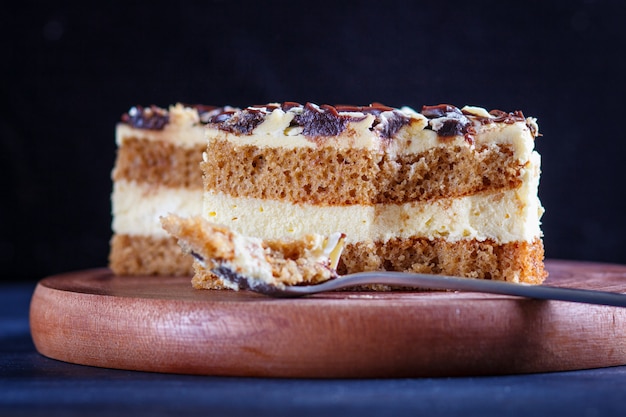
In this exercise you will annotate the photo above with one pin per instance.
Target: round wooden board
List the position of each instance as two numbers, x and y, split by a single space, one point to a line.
162 324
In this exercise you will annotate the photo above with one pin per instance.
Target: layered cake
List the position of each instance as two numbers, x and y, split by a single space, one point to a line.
156 172
443 190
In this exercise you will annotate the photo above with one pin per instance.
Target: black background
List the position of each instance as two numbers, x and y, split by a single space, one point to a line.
68 71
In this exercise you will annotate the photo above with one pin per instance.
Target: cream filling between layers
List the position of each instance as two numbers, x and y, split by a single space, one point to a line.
136 207
503 216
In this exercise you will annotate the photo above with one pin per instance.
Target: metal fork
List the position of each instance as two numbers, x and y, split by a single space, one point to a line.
424 281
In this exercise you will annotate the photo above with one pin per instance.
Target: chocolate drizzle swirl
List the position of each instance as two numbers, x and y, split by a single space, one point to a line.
440 110
322 121
504 117
149 118
449 121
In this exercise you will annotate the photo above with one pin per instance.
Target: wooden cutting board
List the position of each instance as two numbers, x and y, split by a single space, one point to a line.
161 324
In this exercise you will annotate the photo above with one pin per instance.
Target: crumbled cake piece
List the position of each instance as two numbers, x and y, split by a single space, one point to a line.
249 261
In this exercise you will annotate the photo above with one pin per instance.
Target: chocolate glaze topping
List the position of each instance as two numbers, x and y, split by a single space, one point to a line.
440 110
326 120
449 121
322 121
243 123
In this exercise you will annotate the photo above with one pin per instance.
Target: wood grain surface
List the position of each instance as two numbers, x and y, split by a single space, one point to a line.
161 324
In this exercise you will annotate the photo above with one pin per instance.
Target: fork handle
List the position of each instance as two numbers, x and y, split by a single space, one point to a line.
442 282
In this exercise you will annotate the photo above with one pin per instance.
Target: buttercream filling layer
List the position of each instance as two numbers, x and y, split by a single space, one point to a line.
137 207
502 218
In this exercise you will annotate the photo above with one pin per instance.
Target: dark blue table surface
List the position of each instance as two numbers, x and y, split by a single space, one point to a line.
31 384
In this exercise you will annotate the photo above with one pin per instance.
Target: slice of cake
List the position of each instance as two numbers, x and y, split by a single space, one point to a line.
444 191
156 172
250 262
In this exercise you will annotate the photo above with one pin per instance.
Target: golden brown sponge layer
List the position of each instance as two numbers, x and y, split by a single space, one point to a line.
146 255
156 162
515 261
330 176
